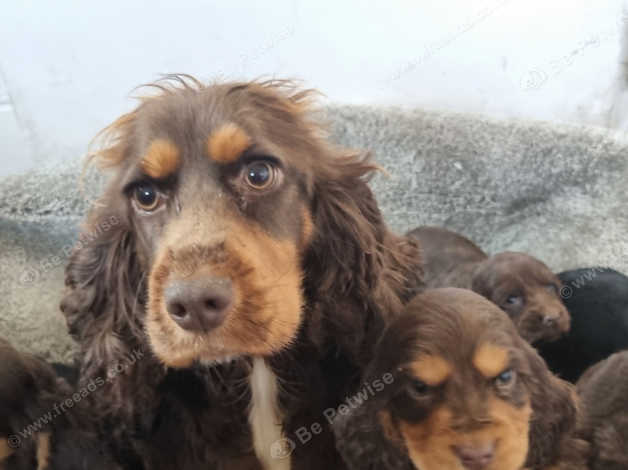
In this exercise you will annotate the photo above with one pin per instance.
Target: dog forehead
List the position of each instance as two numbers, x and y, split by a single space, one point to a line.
174 133
453 323
522 266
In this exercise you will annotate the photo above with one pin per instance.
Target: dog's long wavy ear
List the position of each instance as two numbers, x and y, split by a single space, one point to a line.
554 418
104 295
367 436
366 441
353 255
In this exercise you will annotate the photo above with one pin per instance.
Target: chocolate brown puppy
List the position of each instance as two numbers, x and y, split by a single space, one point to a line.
604 392
522 286
465 392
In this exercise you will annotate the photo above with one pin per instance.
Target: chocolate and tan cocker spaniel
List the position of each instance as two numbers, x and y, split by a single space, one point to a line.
246 257
465 392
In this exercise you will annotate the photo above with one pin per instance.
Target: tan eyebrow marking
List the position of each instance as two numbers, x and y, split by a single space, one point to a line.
161 159
491 360
433 370
227 143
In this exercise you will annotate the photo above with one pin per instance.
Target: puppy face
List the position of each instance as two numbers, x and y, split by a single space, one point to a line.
216 183
527 291
464 397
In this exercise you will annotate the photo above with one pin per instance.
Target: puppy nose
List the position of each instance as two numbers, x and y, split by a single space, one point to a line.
198 305
475 457
558 319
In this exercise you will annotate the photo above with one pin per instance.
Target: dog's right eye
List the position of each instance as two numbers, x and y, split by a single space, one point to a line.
146 197
261 175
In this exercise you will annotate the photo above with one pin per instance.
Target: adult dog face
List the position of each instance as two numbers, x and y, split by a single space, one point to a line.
216 183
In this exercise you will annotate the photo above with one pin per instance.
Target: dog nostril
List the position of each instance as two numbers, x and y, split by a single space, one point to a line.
177 310
211 304
198 304
549 320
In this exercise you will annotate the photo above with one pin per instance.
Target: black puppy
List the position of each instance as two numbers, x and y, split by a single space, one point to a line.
597 299
43 425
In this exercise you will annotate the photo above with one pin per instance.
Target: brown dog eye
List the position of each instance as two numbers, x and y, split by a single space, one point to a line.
146 197
514 300
551 288
260 175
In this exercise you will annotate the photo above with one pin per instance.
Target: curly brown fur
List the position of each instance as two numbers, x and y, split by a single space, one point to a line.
43 424
313 271
468 392
519 284
603 390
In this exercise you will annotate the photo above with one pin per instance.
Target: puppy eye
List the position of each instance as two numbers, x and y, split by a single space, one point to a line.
260 175
418 388
147 197
551 288
514 300
505 378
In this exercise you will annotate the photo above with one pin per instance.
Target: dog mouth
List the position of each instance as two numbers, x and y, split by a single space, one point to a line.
218 318
546 327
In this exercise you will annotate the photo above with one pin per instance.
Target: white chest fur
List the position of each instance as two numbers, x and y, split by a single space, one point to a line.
265 417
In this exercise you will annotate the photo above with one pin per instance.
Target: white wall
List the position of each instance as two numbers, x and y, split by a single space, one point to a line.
67 67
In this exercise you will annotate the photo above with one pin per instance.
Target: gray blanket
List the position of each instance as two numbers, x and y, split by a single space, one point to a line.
556 192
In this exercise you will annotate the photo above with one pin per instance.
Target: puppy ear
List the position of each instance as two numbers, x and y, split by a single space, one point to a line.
353 255
483 279
554 418
367 436
365 441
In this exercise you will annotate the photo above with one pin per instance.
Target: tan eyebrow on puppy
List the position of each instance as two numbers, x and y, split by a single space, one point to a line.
491 360
161 159
227 143
432 370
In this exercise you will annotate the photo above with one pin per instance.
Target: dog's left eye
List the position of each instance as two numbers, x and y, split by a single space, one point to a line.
505 378
551 288
260 175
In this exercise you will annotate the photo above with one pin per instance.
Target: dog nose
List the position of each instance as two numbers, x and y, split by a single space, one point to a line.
199 304
475 457
550 320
